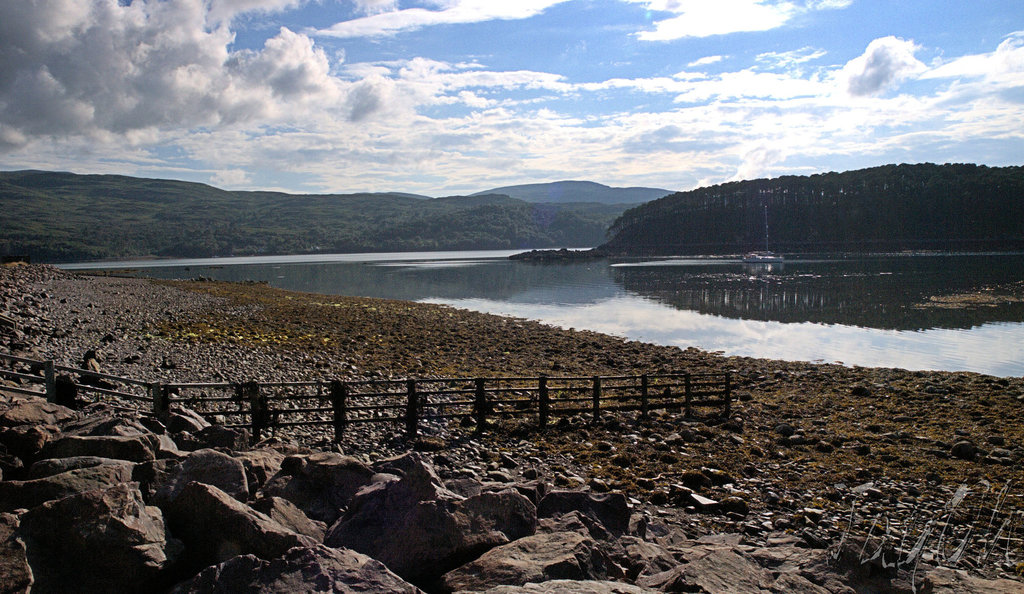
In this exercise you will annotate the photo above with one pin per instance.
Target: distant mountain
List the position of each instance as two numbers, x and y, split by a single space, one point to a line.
578 191
62 217
953 207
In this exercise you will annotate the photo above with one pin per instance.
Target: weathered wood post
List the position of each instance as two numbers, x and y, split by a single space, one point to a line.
412 405
259 407
339 402
480 406
597 398
643 396
544 401
161 400
689 395
50 379
728 394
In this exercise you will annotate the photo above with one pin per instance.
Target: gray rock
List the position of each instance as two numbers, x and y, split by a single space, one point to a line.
964 450
713 570
214 436
30 493
419 529
260 466
571 587
135 448
209 467
102 540
216 527
45 468
15 573
184 419
562 555
31 410
610 509
285 513
301 569
319 484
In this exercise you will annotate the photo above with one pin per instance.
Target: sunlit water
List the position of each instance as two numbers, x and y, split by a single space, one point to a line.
861 311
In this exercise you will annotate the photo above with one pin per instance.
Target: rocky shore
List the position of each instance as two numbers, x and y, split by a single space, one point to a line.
824 478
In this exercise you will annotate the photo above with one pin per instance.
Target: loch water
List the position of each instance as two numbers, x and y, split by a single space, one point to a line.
910 311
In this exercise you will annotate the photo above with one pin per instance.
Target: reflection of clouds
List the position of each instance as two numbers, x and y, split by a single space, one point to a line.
991 348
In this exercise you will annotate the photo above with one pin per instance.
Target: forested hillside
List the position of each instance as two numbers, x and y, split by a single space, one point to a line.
578 191
889 208
61 217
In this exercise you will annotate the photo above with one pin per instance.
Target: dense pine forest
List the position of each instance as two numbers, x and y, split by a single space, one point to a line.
64 217
951 207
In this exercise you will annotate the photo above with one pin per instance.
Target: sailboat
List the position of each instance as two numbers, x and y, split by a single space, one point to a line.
767 256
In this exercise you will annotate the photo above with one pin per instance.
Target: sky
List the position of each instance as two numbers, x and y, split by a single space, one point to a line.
445 97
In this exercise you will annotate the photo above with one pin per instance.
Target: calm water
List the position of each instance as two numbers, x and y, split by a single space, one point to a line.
869 311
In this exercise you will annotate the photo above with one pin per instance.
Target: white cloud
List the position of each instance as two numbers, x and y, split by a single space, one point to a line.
1005 64
704 19
705 61
885 63
451 12
790 59
230 178
225 10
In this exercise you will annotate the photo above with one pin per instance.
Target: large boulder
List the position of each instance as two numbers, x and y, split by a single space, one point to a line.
610 509
302 569
54 466
320 484
209 467
571 587
136 448
32 410
537 558
26 441
421 530
260 465
216 526
15 573
235 439
286 514
30 493
102 540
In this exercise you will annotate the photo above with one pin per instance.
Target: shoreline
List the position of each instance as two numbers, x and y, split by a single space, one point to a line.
801 435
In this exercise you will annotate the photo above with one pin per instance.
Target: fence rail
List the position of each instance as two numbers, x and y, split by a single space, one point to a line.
266 406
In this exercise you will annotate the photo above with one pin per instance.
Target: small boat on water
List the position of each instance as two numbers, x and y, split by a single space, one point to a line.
763 258
767 256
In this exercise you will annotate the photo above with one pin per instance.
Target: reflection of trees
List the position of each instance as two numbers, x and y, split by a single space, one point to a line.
583 282
885 293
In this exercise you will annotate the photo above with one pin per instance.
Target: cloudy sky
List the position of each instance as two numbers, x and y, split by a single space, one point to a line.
444 97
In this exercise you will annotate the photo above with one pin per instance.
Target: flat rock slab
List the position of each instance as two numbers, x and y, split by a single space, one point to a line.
135 448
33 411
301 569
569 587
29 494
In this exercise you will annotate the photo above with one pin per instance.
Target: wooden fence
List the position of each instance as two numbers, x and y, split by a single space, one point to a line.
264 407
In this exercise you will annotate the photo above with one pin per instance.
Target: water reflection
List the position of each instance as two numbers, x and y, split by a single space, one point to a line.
885 293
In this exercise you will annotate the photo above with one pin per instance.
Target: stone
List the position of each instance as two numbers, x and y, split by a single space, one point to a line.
571 587
26 441
28 494
101 540
32 410
214 436
260 466
610 509
208 467
964 450
182 419
420 529
712 570
53 466
286 514
15 573
561 555
640 557
133 448
215 526
319 484
301 569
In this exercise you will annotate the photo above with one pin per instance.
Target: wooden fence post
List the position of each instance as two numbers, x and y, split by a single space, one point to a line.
643 396
339 398
259 407
161 401
411 410
480 406
597 398
50 379
689 396
544 401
